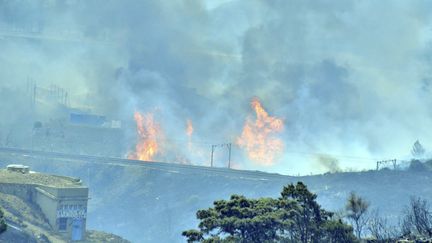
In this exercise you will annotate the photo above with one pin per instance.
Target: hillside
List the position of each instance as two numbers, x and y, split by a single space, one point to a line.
27 224
29 217
149 205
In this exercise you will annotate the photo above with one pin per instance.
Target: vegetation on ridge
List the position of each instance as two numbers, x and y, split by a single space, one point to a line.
293 217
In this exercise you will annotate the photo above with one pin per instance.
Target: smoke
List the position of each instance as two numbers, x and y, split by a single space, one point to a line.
348 78
328 163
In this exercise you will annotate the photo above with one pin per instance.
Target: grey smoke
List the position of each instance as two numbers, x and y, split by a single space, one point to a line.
348 78
328 163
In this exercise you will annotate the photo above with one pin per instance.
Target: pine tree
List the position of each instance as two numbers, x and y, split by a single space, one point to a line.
294 217
417 150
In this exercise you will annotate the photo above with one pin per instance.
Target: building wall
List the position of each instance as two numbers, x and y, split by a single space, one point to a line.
64 193
55 203
64 204
48 205
72 209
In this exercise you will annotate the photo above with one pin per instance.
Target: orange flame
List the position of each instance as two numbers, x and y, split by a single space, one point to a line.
189 132
258 137
189 128
148 133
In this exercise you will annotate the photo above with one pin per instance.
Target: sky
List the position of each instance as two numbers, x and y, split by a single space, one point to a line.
351 80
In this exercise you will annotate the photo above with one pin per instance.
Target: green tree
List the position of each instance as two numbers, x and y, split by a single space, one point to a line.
294 217
241 219
3 225
336 231
309 217
356 209
193 235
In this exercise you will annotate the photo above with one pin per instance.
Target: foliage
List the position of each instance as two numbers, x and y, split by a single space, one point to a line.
417 165
356 209
193 235
248 220
417 150
294 217
3 225
336 231
417 218
309 217
380 229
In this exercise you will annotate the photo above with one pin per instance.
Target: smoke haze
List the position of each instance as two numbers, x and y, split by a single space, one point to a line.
348 78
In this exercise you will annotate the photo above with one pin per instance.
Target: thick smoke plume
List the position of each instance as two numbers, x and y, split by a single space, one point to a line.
343 84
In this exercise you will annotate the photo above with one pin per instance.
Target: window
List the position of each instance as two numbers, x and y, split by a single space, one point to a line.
62 223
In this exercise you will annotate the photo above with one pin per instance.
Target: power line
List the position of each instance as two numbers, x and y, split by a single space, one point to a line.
385 162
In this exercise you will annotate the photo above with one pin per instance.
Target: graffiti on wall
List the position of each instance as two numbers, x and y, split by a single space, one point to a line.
72 211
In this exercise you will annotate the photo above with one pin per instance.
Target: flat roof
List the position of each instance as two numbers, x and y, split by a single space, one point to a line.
36 178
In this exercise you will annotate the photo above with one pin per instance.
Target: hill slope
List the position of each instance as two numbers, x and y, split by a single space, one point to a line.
148 205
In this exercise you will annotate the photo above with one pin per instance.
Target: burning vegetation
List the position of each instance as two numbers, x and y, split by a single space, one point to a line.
148 136
259 136
189 132
189 128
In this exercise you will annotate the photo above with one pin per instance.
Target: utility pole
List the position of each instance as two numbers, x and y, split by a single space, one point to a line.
212 152
213 148
384 162
229 155
34 95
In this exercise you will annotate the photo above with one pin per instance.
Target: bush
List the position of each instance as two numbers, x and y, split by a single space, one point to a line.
417 165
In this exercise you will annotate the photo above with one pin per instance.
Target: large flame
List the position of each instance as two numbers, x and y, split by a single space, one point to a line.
148 132
194 151
258 137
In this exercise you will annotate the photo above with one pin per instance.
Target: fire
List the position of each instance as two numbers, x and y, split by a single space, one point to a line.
189 128
258 137
148 132
189 132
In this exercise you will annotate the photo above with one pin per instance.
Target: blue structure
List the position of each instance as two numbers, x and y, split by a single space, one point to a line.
87 119
77 229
